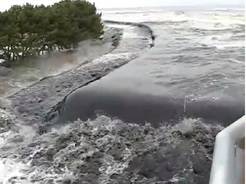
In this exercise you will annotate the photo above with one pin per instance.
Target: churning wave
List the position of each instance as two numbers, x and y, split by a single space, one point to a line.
107 150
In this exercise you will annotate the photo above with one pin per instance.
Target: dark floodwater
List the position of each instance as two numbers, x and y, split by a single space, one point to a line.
152 121
195 70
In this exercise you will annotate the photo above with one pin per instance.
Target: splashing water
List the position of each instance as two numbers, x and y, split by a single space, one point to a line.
106 150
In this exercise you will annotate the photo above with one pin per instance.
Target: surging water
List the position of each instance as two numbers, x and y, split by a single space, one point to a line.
24 73
109 150
198 60
199 53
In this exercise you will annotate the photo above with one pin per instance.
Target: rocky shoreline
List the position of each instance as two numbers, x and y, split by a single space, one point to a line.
32 104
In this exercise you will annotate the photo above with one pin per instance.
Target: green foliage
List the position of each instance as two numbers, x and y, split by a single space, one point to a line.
30 30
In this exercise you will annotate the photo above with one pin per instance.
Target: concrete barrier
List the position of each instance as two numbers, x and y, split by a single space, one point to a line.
229 154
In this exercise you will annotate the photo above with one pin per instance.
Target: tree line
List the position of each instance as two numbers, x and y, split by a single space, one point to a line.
30 30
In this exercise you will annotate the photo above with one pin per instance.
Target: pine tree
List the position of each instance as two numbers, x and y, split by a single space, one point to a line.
30 30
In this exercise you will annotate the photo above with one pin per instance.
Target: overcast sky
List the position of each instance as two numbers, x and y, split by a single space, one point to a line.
5 4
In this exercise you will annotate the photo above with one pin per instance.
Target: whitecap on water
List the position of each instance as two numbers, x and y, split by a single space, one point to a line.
236 61
221 42
222 46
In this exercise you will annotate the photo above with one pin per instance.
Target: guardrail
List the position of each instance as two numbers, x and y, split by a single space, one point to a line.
229 155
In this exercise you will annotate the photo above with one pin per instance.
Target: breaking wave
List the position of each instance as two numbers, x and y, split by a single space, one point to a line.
107 150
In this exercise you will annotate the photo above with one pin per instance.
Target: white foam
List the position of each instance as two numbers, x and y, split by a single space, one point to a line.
188 125
229 9
9 168
207 20
110 167
12 169
221 41
3 138
108 58
236 61
22 171
222 46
